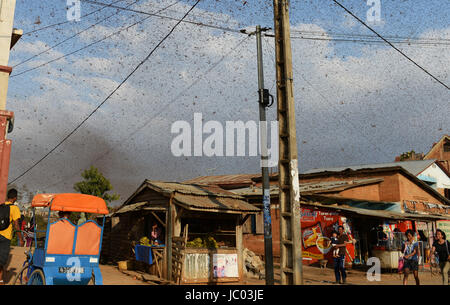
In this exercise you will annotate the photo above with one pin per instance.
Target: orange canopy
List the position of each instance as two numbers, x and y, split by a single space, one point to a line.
71 203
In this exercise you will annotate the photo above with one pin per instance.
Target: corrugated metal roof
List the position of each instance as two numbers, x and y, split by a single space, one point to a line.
414 167
428 207
131 207
195 196
312 187
368 205
214 203
137 207
225 179
378 213
190 189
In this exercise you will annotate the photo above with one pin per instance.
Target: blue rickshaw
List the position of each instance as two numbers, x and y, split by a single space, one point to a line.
68 254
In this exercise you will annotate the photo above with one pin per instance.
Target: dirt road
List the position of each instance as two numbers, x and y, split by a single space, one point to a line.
317 276
111 274
311 275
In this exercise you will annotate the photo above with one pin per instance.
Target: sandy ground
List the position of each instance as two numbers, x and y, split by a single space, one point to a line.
311 275
111 274
317 276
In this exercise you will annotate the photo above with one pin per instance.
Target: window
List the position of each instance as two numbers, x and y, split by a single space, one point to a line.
253 218
446 147
447 193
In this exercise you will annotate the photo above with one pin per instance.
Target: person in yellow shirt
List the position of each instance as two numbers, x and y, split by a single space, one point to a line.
7 234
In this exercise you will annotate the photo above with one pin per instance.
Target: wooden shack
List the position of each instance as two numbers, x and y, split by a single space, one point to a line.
188 214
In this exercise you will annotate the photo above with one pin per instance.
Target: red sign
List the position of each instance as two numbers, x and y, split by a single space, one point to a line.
317 226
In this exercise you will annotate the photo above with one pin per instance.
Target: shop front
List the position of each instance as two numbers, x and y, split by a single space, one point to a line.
376 232
199 238
214 252
386 235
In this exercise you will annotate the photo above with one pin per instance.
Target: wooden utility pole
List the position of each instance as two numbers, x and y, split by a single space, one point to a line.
290 229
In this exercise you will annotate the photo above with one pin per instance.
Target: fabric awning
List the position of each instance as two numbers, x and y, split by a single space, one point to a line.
71 203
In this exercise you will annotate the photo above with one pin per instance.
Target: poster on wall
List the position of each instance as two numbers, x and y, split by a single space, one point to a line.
225 265
317 227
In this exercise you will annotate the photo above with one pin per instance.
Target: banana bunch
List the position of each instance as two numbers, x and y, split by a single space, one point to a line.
144 241
196 243
209 243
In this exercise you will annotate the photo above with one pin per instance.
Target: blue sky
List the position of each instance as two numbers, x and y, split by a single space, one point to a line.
355 103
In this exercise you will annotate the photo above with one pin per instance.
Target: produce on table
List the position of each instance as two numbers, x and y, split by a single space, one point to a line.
208 242
144 241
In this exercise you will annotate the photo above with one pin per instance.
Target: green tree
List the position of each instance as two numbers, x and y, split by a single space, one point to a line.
95 184
411 155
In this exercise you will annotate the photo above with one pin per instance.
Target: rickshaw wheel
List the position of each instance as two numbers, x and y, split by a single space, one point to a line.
37 278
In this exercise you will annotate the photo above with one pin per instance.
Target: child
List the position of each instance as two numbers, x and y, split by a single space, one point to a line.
334 242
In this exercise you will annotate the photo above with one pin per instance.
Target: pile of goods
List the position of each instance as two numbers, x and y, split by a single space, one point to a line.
144 241
208 242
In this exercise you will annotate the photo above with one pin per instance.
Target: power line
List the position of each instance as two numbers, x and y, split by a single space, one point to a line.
360 40
89 45
411 43
181 93
168 17
73 36
395 48
353 35
64 22
107 98
332 105
438 41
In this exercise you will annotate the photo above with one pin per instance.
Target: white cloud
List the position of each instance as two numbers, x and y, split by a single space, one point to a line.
129 137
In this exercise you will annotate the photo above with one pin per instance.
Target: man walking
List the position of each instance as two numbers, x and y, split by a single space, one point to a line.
339 261
9 215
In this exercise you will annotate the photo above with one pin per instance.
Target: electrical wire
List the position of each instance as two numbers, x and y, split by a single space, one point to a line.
390 44
168 17
356 35
64 22
88 45
73 36
416 43
332 105
107 98
123 140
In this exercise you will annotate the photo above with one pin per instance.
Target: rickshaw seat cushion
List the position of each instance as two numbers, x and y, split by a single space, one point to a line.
88 239
61 236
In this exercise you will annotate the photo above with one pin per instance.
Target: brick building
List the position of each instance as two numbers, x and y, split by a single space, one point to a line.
391 190
441 152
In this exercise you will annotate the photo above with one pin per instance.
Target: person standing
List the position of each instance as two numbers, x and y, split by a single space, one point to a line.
339 261
82 219
22 226
29 230
441 247
10 213
411 258
155 235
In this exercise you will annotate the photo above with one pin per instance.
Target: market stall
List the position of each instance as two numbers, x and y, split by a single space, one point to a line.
385 241
201 236
213 252
378 229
